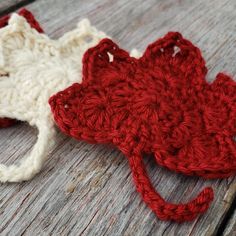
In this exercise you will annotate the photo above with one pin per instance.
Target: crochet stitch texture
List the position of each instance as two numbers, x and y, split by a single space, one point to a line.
5 122
160 104
33 67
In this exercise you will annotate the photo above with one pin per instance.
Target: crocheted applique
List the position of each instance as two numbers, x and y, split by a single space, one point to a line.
160 104
6 122
33 67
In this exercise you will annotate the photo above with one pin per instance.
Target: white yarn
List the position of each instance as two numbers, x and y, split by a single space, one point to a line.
33 67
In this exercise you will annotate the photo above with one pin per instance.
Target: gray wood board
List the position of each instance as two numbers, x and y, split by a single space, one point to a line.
87 189
8 4
231 227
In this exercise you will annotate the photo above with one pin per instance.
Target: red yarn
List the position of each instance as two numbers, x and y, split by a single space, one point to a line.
6 122
161 104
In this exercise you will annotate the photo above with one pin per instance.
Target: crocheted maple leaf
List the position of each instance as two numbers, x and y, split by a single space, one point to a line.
5 122
32 68
161 104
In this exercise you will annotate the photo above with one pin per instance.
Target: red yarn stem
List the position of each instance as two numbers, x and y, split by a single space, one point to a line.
165 210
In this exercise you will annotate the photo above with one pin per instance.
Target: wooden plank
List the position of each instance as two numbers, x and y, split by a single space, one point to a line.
5 4
87 189
231 227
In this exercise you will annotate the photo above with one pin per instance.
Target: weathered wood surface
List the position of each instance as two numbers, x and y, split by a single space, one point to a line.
231 227
87 189
8 4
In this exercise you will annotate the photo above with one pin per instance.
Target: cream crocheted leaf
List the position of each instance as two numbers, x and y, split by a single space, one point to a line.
32 68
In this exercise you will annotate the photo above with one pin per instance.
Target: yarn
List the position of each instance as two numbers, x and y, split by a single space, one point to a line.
5 122
33 67
159 104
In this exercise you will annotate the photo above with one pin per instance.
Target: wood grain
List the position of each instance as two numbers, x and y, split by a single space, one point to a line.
231 227
87 189
6 4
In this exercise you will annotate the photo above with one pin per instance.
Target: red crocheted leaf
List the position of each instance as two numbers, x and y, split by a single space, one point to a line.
199 139
188 124
175 59
172 58
222 101
161 104
5 122
94 120
91 122
100 60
